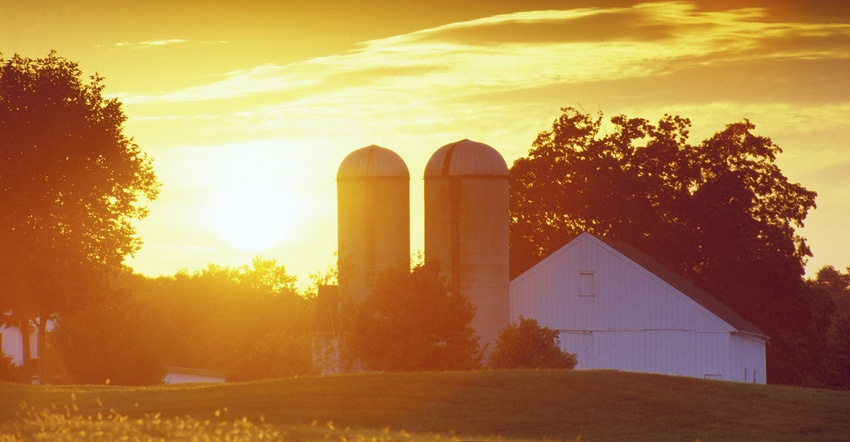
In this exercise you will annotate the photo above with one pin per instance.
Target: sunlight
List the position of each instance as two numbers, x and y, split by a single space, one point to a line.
249 204
251 216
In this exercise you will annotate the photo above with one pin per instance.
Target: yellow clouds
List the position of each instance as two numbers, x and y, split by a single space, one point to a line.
524 50
150 44
242 83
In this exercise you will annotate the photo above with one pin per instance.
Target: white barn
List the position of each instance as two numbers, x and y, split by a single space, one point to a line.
616 308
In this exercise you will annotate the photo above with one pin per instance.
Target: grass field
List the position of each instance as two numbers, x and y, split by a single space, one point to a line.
511 405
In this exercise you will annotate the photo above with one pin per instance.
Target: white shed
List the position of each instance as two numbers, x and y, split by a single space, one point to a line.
12 345
617 308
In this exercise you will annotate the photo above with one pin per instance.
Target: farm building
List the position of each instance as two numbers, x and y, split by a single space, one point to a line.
616 308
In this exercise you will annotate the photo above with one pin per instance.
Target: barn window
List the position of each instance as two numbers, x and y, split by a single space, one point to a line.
585 283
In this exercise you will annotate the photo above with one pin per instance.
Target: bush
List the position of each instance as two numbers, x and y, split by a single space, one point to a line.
275 355
9 372
411 321
109 342
527 345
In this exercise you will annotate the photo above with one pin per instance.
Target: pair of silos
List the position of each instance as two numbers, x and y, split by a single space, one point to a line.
466 224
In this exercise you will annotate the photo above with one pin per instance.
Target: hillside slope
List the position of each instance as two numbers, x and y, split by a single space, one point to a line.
596 405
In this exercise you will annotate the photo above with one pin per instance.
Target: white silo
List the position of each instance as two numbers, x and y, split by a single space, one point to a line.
373 217
466 229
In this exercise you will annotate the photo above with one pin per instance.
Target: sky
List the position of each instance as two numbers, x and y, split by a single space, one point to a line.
248 107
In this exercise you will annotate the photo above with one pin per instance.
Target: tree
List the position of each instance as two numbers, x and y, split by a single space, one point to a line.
834 286
71 183
112 341
248 322
720 213
527 345
412 322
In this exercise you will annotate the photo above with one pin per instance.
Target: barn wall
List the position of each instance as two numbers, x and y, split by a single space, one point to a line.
673 352
747 360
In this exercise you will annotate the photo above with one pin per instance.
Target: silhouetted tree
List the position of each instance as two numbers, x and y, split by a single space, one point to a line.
71 183
412 322
220 318
837 284
834 286
527 345
112 341
720 213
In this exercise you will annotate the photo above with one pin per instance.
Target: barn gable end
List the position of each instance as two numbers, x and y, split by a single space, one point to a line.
617 308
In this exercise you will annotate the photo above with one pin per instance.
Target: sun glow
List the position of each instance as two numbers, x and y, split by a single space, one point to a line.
250 204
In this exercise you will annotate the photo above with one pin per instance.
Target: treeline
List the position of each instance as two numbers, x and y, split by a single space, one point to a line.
249 323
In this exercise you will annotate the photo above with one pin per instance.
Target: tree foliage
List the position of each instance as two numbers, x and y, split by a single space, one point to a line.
9 372
219 317
412 322
71 183
835 286
114 341
248 322
527 345
720 212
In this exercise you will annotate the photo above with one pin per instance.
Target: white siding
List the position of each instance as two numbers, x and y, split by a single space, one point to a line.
615 314
12 345
747 359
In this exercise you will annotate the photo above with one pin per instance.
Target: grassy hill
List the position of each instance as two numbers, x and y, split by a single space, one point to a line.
533 405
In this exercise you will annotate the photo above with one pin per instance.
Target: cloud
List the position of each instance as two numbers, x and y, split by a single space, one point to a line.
523 51
145 44
646 56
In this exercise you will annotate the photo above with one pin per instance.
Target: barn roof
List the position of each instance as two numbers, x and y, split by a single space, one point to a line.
684 286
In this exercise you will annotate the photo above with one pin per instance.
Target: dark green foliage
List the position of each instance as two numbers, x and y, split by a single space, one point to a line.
412 322
527 345
720 213
71 185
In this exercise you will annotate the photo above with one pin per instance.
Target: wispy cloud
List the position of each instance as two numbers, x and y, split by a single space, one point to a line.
144 44
528 50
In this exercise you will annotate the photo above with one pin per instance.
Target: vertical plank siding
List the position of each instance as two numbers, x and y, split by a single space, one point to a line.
633 320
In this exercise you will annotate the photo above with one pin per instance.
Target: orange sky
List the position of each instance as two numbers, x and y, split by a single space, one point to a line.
248 107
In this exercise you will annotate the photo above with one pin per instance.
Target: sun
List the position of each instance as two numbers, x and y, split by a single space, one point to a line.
251 207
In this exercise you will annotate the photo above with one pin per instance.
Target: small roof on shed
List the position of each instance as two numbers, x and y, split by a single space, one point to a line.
466 157
372 161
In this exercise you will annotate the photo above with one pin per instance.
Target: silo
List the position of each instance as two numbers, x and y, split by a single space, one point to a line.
373 210
466 229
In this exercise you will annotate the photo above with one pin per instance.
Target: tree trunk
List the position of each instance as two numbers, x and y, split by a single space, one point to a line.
24 326
41 343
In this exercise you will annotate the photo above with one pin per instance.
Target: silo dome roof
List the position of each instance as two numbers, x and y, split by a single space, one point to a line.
466 157
372 161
